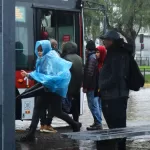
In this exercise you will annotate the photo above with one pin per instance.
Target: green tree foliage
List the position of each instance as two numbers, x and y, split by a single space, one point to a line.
92 20
125 16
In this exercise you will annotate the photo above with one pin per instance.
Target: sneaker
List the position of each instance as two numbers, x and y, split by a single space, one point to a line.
49 129
95 127
41 128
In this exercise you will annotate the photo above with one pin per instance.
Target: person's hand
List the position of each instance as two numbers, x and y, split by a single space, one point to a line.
24 73
84 90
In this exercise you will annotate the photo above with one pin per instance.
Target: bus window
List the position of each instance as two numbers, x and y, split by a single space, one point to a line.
65 27
24 38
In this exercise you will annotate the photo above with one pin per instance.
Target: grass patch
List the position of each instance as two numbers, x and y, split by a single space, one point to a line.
147 78
145 67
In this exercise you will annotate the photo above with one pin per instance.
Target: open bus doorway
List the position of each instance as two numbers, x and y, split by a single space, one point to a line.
56 24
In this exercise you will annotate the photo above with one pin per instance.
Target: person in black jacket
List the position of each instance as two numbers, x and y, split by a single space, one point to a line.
69 53
90 85
113 86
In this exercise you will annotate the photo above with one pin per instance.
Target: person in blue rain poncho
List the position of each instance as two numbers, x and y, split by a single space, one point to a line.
54 73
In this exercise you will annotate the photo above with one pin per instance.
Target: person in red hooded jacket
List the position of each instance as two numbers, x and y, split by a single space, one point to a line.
101 54
94 100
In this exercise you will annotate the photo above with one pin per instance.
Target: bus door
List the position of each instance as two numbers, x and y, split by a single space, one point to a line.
61 25
54 24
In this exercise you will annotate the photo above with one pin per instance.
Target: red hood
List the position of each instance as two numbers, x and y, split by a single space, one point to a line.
103 52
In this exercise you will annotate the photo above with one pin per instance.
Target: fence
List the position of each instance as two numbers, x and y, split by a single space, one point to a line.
143 61
146 72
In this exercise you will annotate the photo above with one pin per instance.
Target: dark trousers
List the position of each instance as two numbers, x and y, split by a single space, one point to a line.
54 101
75 109
114 111
45 117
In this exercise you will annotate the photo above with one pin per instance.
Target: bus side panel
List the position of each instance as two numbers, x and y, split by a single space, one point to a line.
24 55
27 107
23 82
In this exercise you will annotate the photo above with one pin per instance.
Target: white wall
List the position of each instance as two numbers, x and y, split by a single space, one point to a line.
145 53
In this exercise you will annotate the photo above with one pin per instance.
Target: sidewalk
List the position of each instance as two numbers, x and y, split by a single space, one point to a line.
138 114
54 141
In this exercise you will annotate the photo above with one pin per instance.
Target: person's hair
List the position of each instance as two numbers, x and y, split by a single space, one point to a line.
53 42
69 48
91 46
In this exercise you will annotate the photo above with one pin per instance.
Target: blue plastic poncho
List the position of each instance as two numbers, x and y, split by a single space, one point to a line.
51 70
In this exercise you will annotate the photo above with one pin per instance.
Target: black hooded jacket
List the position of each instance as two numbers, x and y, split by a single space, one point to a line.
69 53
90 72
112 79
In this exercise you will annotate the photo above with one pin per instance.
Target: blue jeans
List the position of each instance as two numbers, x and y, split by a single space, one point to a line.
94 104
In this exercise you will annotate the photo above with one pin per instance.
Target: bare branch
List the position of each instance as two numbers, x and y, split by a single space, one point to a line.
139 6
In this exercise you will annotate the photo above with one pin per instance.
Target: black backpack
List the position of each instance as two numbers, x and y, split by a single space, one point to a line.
135 79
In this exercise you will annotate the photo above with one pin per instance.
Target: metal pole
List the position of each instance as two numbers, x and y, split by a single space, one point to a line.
144 73
0 74
7 75
140 56
84 55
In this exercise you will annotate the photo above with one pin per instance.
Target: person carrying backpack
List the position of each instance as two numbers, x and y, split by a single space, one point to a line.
115 80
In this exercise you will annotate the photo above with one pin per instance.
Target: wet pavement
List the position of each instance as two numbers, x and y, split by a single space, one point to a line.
138 114
47 142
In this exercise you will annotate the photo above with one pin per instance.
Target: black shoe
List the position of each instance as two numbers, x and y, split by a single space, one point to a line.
95 127
76 128
27 138
30 137
93 124
28 129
